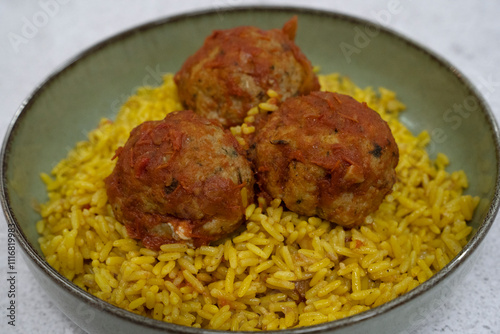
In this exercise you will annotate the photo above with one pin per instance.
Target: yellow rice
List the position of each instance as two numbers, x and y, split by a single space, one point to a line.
249 282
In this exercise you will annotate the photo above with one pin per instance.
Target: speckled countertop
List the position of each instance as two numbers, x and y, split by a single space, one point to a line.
465 33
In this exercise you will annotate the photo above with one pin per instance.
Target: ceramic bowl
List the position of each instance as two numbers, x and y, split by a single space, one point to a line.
72 101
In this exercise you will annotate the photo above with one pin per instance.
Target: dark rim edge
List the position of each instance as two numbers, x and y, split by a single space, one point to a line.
451 267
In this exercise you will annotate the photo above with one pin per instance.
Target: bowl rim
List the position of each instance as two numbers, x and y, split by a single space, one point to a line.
89 299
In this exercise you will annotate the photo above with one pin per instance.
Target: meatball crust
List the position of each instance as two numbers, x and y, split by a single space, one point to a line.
180 179
235 68
326 154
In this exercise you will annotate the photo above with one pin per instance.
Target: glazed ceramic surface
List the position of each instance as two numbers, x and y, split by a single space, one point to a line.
72 101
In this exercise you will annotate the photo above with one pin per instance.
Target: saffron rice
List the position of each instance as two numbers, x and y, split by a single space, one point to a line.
282 270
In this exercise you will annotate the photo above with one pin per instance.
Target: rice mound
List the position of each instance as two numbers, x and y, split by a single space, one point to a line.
281 270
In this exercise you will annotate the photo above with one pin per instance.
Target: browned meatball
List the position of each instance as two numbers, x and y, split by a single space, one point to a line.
234 69
326 154
180 179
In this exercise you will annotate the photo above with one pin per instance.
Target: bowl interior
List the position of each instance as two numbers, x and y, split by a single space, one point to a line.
73 101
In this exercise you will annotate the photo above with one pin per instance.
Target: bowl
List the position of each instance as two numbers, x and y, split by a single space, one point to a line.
59 113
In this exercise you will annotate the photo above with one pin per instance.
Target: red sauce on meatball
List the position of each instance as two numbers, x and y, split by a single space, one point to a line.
326 154
234 69
179 180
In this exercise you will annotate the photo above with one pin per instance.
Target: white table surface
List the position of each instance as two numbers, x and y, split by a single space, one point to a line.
466 34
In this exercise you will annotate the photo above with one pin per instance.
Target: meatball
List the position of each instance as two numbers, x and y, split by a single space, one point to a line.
326 154
235 68
181 179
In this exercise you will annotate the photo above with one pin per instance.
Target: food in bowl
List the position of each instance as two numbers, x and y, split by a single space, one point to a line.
326 155
234 69
281 270
181 179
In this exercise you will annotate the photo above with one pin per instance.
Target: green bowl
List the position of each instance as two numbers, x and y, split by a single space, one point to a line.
72 101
